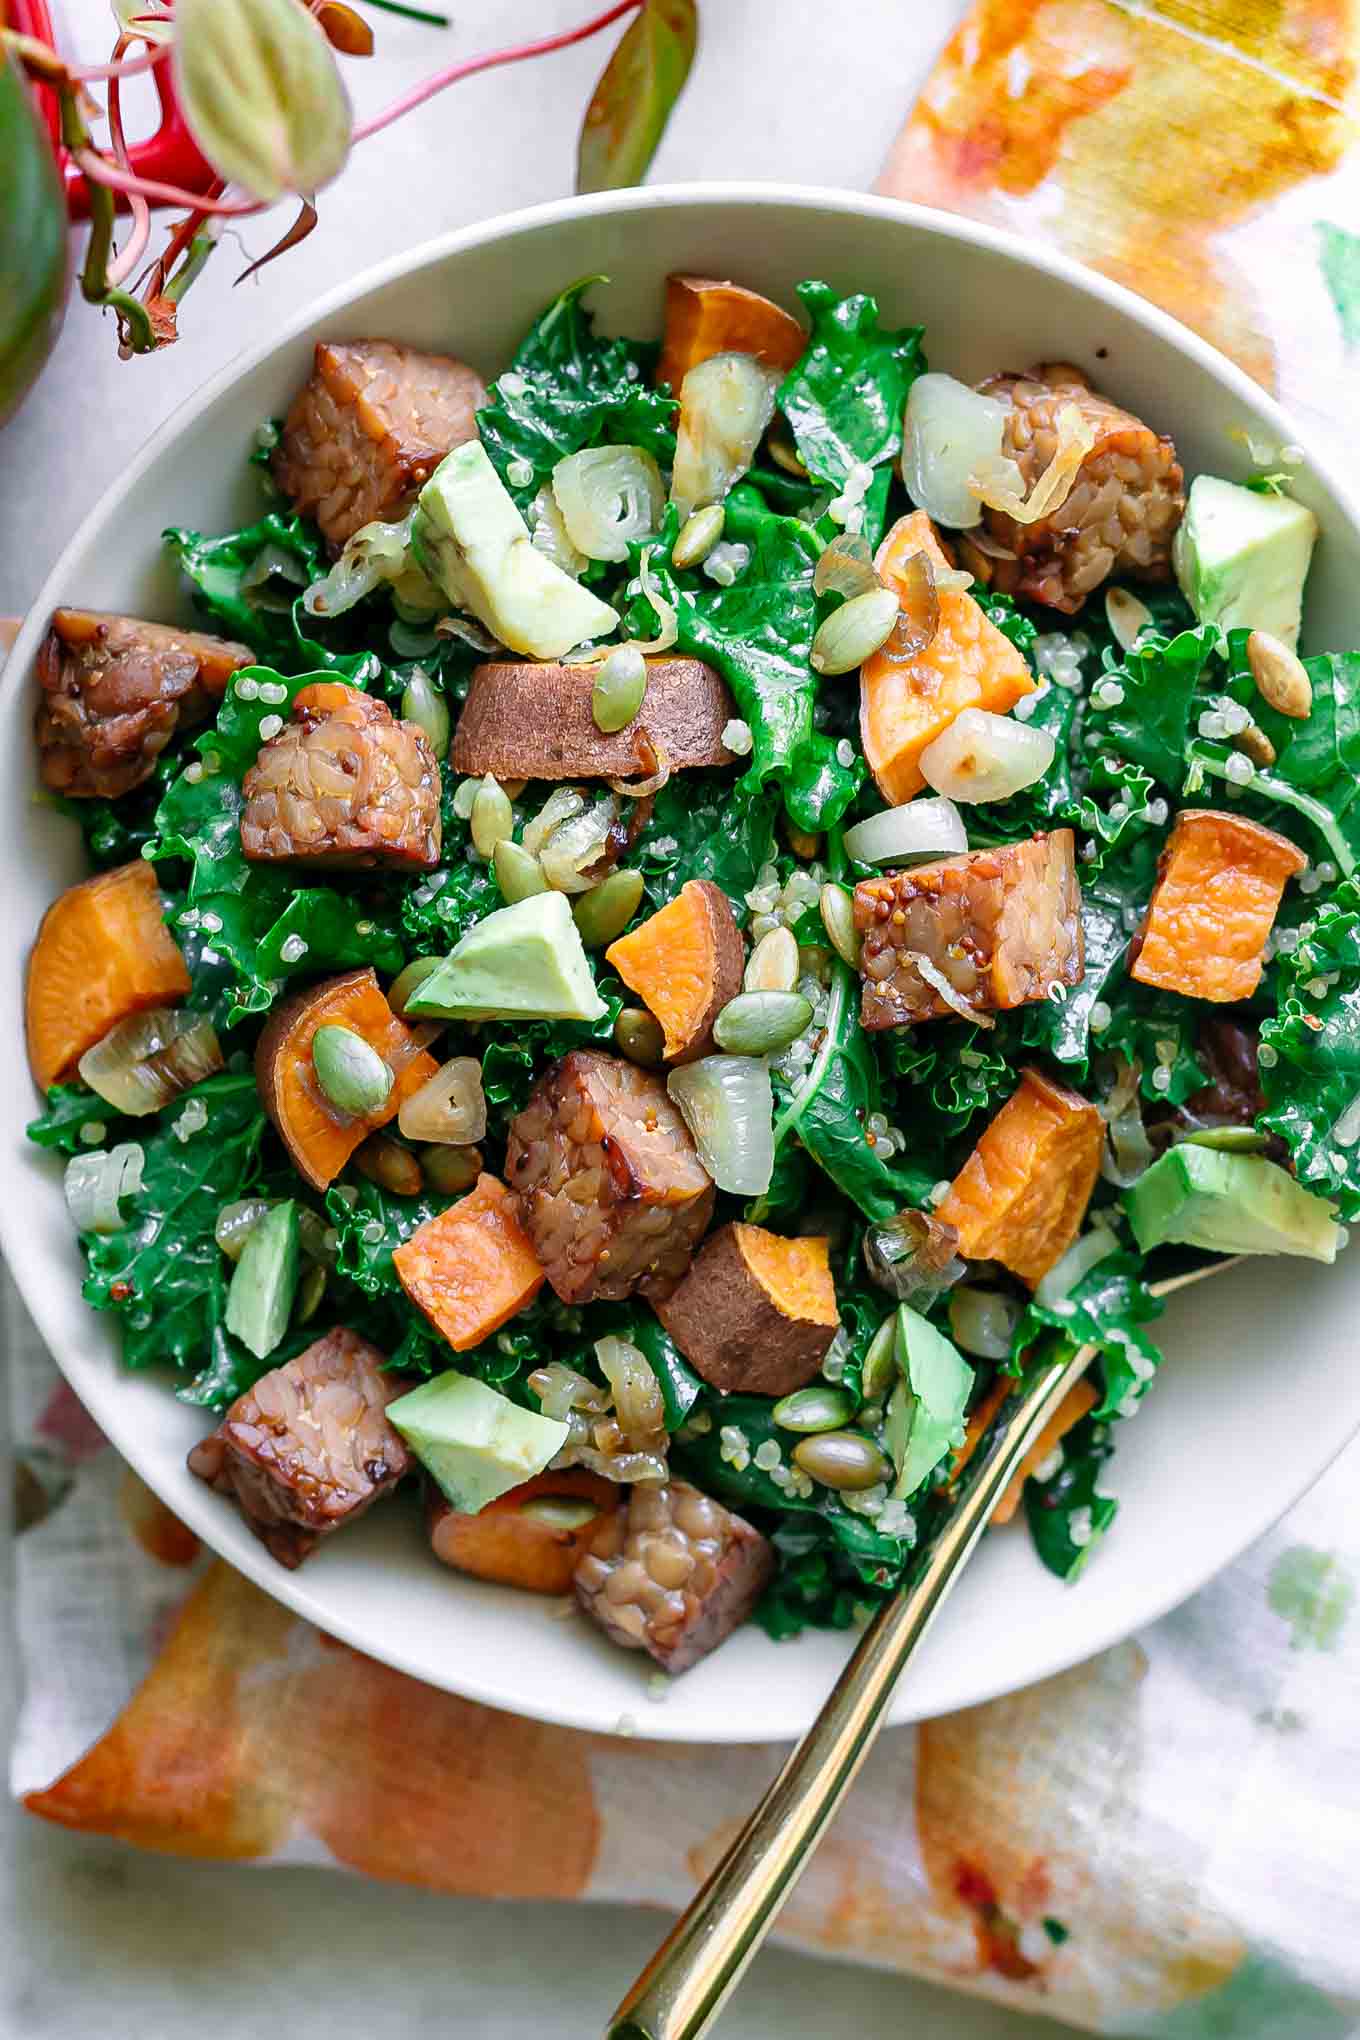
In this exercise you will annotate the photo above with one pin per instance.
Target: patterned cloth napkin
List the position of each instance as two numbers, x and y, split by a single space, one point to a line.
1165 1840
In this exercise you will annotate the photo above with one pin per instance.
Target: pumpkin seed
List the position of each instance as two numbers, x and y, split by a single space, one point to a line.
1127 617
842 1459
620 684
1255 744
423 704
814 1409
698 536
638 1035
315 1237
408 982
311 1289
450 1170
236 1222
838 919
803 844
518 874
1280 675
393 1167
854 632
493 818
773 963
350 1071
605 911
761 1023
878 1370
559 1512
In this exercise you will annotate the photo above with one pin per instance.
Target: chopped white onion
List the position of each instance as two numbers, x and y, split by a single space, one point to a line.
562 803
639 1408
919 828
149 1058
670 622
725 404
1128 1150
948 432
271 566
982 1321
95 1183
1000 485
609 497
548 534
467 631
1083 1255
450 1108
982 756
577 845
377 552
950 993
727 1103
560 1390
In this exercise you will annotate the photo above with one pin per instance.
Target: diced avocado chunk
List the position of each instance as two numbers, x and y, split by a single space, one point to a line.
925 1413
525 962
1242 556
470 539
264 1281
473 1442
1229 1204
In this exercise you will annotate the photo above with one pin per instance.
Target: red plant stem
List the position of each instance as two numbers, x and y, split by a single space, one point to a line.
100 171
489 60
126 261
131 67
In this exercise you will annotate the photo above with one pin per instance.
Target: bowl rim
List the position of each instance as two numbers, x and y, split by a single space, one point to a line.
204 1514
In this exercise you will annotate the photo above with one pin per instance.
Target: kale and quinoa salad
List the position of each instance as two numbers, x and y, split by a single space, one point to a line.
685 916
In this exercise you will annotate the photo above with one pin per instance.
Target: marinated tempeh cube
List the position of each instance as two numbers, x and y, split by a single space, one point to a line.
369 428
343 784
309 1448
610 1187
673 1573
1220 881
1122 510
1022 1193
114 691
999 927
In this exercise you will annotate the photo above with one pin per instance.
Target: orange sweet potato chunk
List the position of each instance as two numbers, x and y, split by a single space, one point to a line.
1021 1195
705 317
684 962
103 952
967 664
756 1312
472 1267
1079 1400
1219 885
518 1546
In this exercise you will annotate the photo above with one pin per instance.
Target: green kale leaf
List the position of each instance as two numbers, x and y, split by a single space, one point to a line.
1309 1053
1108 1308
1067 1514
70 1109
247 584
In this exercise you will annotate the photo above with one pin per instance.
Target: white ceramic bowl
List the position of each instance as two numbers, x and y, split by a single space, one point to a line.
1259 1390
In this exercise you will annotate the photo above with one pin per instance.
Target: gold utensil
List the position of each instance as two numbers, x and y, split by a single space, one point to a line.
699 1964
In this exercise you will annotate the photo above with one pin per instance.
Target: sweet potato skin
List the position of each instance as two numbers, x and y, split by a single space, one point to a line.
471 1268
503 1543
1220 880
530 719
967 664
103 952
319 1140
651 958
731 1326
705 317
1022 1193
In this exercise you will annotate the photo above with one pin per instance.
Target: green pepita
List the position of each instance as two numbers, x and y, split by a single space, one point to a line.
878 1370
761 1023
311 1289
393 1167
842 1459
559 1512
451 1170
698 536
404 986
620 684
493 818
423 704
773 963
854 632
605 911
814 1409
838 919
1280 675
351 1073
518 874
638 1035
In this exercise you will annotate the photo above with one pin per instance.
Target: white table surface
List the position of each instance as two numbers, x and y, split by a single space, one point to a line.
95 1937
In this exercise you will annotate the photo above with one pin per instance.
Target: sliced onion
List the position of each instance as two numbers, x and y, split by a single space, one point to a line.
548 534
560 1390
1083 1255
643 789
95 1183
576 846
983 1321
270 566
148 1059
236 1222
628 1468
982 756
638 1403
999 485
913 1256
377 552
609 497
845 568
467 631
727 1103
450 1109
725 404
949 431
670 622
919 828
562 803
950 993
1129 1151
918 607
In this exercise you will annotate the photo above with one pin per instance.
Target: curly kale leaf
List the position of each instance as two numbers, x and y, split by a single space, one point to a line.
702 826
247 584
1108 1308
70 1110
1067 1514
1309 1053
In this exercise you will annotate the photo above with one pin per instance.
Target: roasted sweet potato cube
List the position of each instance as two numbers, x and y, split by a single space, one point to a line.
533 717
103 953
705 317
368 429
1079 1401
755 1313
1022 1194
471 1268
309 1448
610 1187
531 1537
1001 926
685 962
673 1573
905 704
343 784
114 691
1220 881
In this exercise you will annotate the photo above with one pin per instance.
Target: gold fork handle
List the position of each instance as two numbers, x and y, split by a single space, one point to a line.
697 1967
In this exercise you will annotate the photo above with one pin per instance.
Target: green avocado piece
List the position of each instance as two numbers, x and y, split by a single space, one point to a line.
1242 556
473 1442
470 539
525 962
1230 1204
264 1281
926 1410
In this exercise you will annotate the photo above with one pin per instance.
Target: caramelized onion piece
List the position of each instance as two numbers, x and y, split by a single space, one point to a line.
918 613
